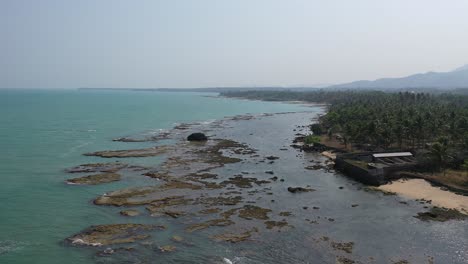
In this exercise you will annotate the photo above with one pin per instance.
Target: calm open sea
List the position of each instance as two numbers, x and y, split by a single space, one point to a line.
42 132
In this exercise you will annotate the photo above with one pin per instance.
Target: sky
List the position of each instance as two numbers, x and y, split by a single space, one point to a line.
225 43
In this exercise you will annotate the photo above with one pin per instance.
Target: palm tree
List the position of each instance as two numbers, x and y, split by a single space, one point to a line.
440 155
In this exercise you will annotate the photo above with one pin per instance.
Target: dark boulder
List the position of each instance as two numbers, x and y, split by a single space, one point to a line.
299 189
197 137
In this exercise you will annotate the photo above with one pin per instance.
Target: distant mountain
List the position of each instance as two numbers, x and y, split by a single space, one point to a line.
457 78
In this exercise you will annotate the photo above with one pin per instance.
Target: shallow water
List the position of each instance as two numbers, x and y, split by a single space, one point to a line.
39 211
42 132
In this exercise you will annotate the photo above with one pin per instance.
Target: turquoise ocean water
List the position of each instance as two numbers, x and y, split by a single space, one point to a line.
43 132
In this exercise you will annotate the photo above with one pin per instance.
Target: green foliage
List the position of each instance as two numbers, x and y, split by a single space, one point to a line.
316 129
465 166
311 139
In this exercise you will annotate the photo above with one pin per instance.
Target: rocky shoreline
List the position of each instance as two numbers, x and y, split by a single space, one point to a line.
227 189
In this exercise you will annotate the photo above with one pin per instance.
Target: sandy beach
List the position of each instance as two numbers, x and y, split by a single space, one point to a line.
421 189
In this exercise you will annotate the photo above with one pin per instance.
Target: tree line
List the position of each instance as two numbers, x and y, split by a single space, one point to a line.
435 124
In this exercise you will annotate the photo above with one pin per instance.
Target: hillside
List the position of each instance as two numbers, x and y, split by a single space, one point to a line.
446 80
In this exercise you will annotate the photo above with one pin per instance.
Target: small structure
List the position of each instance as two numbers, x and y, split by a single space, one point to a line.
374 168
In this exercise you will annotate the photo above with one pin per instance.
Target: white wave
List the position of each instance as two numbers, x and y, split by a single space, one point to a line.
227 261
233 261
79 241
207 122
8 246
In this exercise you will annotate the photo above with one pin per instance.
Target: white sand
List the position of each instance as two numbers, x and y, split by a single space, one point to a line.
421 189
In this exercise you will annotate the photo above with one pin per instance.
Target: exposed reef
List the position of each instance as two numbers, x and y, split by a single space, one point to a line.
95 179
97 167
234 238
147 152
299 189
130 212
441 215
102 235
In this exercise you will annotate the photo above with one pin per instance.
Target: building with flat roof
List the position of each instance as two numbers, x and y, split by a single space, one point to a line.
375 168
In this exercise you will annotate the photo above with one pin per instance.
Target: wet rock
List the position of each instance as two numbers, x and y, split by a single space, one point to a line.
375 189
274 178
219 201
176 238
315 167
102 235
299 189
242 182
344 246
343 260
441 214
403 261
197 137
167 248
160 136
285 213
125 197
97 167
157 206
148 152
251 211
209 223
174 214
210 211
183 126
277 224
130 212
234 238
179 184
95 179
159 175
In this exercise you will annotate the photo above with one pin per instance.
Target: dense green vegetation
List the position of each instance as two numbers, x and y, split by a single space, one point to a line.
311 139
433 124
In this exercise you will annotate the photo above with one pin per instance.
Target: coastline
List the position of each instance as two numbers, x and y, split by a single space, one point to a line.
416 187
249 183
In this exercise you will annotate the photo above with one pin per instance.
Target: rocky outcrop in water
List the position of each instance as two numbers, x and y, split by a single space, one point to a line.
102 235
148 152
130 212
441 215
299 189
97 167
95 179
197 137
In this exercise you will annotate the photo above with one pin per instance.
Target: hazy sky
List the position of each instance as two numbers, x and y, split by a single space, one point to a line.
207 43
